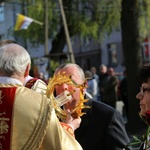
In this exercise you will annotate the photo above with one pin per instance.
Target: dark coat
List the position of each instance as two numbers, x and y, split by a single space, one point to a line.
110 96
102 128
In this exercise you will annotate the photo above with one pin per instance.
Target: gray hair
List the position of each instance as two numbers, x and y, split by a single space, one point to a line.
80 73
13 59
88 74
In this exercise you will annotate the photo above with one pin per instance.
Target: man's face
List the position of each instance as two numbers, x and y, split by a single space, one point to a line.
144 97
61 88
103 69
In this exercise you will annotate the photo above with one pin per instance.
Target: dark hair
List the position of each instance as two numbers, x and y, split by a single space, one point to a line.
145 72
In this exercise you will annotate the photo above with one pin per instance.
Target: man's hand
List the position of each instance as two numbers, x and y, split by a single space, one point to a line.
73 122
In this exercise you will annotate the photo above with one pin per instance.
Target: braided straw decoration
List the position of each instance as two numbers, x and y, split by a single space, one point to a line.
61 79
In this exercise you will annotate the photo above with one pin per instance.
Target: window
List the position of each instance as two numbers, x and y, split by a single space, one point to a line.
112 54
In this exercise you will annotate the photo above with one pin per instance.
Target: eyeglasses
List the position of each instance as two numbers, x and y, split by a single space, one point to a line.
143 90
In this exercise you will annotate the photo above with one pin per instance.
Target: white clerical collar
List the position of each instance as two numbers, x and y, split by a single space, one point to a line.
10 80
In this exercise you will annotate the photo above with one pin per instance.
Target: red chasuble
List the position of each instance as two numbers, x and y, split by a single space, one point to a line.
31 82
7 96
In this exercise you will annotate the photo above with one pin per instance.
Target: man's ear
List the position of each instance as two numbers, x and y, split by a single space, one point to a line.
26 73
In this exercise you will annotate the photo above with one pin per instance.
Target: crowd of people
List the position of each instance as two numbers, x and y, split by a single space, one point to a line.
110 89
106 83
29 119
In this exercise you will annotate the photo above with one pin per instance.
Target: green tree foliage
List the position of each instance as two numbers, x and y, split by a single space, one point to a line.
144 18
35 33
91 18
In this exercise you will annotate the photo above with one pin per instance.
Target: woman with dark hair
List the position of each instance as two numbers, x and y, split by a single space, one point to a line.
144 98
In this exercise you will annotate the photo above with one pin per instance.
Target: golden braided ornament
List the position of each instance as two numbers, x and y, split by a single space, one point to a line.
61 79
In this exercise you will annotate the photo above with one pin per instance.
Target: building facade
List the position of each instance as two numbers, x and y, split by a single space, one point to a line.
87 51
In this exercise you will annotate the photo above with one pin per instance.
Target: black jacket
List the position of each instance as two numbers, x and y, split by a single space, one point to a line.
102 128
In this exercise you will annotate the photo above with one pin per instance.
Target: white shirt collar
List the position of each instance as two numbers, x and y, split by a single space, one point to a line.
10 80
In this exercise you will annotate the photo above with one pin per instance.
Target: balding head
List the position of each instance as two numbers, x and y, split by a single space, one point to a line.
103 69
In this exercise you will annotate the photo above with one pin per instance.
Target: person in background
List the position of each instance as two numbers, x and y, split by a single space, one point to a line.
124 92
102 126
41 76
102 76
110 88
92 85
22 109
95 75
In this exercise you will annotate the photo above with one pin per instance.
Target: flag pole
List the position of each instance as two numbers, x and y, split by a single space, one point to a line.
46 26
72 59
38 22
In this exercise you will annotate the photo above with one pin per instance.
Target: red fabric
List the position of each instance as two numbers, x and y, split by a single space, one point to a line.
31 82
6 107
68 128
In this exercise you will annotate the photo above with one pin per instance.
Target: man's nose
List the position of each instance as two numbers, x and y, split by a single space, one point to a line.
64 87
